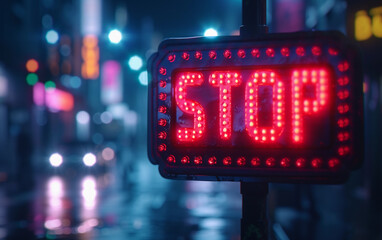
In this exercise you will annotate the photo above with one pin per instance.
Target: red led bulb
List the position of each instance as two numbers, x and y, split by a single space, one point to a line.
343 81
285 52
300 51
162 71
300 163
316 163
255 52
227 161
162 109
162 96
171 159
162 84
162 135
241 161
270 52
185 160
270 162
333 51
212 160
212 54
343 122
171 58
316 51
343 94
343 150
198 55
343 66
255 162
241 53
162 147
162 122
285 162
198 160
334 163
186 56
227 54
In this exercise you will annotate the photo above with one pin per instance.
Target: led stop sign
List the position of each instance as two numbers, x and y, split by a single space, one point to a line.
281 107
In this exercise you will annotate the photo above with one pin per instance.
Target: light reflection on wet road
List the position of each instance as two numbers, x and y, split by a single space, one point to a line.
85 206
132 201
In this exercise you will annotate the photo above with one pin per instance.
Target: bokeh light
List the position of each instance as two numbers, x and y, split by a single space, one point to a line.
31 65
32 79
83 117
52 37
106 117
143 78
108 154
89 159
210 32
50 84
135 63
115 36
55 160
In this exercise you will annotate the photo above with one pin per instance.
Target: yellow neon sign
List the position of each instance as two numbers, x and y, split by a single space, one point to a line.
377 21
365 26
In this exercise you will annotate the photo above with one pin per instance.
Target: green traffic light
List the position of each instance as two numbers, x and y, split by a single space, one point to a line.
32 79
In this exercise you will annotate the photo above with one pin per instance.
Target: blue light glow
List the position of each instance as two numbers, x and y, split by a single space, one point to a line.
115 36
52 37
143 78
135 63
210 33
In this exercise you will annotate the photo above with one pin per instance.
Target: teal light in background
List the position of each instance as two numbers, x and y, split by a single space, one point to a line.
115 36
210 32
52 37
143 78
135 63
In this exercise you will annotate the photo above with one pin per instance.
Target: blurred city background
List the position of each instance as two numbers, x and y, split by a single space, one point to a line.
73 116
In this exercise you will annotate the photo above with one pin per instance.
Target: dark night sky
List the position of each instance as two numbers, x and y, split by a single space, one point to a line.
187 18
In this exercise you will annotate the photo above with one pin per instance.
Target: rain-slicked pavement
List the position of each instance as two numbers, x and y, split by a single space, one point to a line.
130 200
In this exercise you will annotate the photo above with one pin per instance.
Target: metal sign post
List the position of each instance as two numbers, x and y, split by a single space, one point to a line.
254 222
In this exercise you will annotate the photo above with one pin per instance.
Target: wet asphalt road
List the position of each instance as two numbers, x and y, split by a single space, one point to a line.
130 200
120 203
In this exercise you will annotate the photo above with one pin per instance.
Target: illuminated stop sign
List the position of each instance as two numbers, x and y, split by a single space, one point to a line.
281 107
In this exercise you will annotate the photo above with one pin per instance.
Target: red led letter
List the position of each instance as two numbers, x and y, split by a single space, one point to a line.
225 80
264 83
188 106
310 89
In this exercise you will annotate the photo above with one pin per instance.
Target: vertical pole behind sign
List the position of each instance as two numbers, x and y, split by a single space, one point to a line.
254 222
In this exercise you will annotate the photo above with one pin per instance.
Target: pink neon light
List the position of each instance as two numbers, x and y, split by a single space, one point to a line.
59 100
39 94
